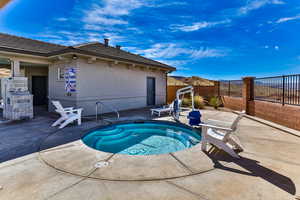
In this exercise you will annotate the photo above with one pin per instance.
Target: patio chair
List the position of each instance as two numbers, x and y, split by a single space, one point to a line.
219 134
164 109
1 104
68 115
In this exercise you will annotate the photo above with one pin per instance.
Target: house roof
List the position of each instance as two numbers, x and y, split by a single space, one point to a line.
23 45
119 54
34 47
3 3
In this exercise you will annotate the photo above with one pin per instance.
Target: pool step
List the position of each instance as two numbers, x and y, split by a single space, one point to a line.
108 132
91 136
117 136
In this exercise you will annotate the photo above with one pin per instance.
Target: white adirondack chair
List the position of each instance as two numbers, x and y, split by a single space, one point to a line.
219 134
68 115
1 104
168 108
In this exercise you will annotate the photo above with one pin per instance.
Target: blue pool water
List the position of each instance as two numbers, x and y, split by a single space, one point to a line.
142 138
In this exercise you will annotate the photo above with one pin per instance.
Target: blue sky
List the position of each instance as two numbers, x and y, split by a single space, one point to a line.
214 39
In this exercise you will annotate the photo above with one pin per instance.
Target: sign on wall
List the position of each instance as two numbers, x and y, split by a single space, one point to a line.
70 80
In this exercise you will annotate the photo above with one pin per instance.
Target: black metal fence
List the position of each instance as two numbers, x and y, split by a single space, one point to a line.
278 89
231 88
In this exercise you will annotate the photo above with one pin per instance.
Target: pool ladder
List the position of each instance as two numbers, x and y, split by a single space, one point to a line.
101 104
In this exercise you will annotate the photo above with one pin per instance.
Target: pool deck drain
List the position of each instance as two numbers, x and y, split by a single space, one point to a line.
101 164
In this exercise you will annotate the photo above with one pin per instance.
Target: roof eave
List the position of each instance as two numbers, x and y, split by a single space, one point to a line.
80 51
89 53
20 51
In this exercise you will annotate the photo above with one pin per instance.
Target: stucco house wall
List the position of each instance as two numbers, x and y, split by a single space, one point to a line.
116 85
56 86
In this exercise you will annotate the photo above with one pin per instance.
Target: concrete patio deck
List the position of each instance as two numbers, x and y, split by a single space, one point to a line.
269 167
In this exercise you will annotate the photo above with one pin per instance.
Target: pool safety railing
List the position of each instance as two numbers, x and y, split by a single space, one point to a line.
101 104
180 92
231 88
278 89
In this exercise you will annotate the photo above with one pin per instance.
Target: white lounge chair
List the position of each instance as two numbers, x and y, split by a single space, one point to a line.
219 134
68 115
1 104
168 108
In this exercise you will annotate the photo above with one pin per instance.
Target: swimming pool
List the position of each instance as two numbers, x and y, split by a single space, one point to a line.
142 138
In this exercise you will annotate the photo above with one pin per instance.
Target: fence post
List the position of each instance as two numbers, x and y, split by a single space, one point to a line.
229 88
248 94
217 87
283 90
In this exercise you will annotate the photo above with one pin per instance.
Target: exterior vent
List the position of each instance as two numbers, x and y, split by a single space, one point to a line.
106 42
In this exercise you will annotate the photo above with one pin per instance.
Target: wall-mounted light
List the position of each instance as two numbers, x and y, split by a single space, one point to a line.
74 57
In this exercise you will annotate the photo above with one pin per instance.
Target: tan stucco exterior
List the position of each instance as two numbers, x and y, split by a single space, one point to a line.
116 85
56 86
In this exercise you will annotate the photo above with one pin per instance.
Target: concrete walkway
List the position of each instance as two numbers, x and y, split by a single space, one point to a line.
269 169
24 137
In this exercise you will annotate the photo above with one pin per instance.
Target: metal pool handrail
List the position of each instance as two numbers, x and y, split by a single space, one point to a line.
110 107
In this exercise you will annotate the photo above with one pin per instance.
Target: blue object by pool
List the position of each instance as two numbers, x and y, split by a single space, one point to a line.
175 106
143 138
195 118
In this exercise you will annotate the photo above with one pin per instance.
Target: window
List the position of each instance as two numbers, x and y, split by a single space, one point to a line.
60 73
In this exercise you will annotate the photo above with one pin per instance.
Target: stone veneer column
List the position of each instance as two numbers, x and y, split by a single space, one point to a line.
248 93
15 68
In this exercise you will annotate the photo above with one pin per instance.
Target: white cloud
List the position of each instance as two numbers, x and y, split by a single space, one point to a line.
172 50
181 67
114 38
93 27
110 12
135 30
116 7
207 53
276 47
49 36
286 19
198 25
62 19
68 33
176 63
256 4
104 20
175 3
93 37
66 42
278 2
72 38
163 50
